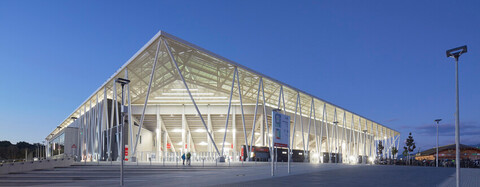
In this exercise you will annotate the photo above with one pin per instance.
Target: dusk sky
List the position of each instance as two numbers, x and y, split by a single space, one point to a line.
383 60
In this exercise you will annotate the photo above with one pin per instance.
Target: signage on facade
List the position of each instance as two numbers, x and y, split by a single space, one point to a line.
126 153
280 129
74 146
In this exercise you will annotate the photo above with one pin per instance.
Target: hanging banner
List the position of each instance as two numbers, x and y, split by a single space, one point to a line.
280 129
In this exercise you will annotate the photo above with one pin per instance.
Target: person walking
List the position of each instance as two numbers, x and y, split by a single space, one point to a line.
188 158
183 158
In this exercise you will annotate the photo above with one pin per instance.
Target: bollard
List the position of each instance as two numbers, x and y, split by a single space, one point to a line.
215 162
203 164
176 161
228 162
164 162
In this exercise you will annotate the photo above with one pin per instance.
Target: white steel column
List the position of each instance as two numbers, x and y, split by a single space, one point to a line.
255 115
352 139
184 129
265 115
228 112
84 136
294 123
117 117
320 152
309 124
130 121
359 135
209 123
344 137
398 144
243 115
158 138
376 142
316 136
301 121
165 142
112 114
97 130
262 130
335 122
142 118
329 143
365 142
190 94
234 127
372 142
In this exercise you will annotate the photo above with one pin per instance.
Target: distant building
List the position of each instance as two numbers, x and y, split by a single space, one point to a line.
448 152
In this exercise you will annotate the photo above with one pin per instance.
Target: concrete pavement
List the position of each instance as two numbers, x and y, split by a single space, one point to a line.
250 174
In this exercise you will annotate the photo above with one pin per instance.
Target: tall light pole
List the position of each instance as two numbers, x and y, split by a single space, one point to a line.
455 53
437 120
124 114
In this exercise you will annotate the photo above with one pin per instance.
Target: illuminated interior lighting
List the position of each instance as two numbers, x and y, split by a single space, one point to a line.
203 143
183 89
189 98
200 130
188 101
176 130
181 93
222 130
257 133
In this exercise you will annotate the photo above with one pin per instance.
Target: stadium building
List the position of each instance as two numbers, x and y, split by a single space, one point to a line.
183 98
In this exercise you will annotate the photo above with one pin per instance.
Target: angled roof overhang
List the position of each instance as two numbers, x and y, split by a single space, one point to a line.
205 70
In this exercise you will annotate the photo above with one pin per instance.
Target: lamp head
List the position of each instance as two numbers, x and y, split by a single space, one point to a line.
122 81
456 52
438 120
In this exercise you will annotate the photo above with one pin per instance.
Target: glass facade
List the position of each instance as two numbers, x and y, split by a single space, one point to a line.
57 145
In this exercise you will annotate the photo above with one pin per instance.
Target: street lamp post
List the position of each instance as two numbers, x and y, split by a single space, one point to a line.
123 118
455 53
437 120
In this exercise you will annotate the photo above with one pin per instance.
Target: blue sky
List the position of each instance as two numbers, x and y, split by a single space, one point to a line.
383 60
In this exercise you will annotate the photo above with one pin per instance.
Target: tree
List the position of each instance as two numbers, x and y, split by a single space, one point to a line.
394 151
410 144
5 143
380 148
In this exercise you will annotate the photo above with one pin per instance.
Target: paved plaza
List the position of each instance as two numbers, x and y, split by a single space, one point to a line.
247 174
